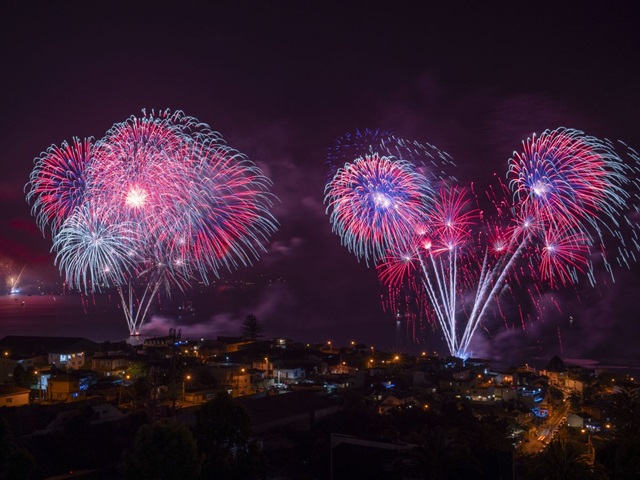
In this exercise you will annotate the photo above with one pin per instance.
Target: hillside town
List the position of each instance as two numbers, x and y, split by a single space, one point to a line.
73 407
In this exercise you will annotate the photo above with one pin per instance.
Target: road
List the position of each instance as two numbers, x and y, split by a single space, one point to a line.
544 434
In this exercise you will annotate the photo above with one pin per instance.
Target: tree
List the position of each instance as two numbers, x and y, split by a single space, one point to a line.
162 451
564 460
489 433
140 391
137 370
251 328
15 463
625 408
20 377
222 434
622 454
439 455
556 395
221 424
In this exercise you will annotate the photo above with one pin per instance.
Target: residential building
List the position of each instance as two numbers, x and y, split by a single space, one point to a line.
66 359
100 413
483 394
397 400
110 364
505 393
11 396
233 344
233 378
289 374
7 365
67 352
65 387
297 411
574 384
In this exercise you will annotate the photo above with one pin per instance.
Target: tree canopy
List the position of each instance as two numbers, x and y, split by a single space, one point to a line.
251 328
163 451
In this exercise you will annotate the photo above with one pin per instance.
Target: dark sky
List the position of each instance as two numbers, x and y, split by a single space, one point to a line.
281 80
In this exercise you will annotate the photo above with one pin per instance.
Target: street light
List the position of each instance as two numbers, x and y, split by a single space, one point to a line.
186 379
127 377
39 384
591 451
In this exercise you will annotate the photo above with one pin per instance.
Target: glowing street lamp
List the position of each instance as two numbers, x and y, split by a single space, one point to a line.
127 377
39 373
187 378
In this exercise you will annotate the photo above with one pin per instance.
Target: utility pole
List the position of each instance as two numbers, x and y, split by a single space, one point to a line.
173 338
187 378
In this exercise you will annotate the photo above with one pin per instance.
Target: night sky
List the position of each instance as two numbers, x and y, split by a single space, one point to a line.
281 81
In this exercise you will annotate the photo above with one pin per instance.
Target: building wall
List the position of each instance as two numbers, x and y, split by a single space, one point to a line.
594 411
575 421
506 393
64 391
233 379
483 395
15 400
6 370
575 385
291 373
109 365
72 361
241 384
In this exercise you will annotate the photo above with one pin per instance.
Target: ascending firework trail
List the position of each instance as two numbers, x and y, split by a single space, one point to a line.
159 202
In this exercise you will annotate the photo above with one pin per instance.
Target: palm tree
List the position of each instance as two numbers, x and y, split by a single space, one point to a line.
564 460
625 407
438 457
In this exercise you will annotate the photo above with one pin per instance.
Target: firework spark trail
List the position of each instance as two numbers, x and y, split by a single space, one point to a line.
13 287
568 192
58 182
160 201
379 191
434 164
94 251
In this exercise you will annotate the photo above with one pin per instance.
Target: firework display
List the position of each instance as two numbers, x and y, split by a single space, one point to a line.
160 201
456 252
436 165
380 192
